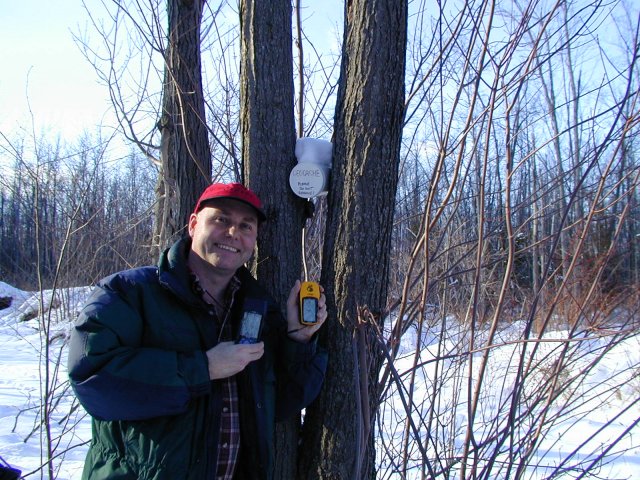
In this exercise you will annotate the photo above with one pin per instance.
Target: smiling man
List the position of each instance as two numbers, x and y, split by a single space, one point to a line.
155 356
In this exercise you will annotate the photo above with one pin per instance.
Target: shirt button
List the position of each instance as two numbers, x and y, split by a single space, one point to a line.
225 410
259 405
211 312
225 445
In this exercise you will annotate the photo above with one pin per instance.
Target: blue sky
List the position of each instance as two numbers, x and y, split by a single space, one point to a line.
41 63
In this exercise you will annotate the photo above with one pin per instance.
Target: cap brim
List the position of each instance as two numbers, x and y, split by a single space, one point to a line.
260 214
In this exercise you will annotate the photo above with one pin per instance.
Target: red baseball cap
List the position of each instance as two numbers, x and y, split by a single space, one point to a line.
234 191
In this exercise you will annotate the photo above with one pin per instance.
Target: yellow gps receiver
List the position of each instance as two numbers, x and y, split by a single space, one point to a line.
309 296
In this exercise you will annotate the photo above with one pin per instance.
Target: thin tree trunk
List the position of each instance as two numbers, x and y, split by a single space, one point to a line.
185 152
268 134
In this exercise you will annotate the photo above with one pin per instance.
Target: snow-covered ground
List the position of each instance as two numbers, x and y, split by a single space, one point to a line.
611 383
598 407
22 370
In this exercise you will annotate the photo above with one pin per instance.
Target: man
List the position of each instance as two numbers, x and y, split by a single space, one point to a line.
153 357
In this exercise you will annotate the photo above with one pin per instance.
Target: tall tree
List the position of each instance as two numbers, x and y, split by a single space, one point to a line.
368 129
268 133
185 152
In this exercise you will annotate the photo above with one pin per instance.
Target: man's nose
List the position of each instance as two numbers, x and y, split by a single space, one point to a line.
232 231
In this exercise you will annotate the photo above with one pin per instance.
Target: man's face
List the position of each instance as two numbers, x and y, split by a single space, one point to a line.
224 234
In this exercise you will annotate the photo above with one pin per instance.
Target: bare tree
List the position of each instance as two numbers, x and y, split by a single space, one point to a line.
184 152
368 128
268 134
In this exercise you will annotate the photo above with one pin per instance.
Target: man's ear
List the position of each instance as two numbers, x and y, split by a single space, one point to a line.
191 225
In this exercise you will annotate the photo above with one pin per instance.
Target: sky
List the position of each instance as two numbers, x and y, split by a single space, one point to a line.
45 77
43 70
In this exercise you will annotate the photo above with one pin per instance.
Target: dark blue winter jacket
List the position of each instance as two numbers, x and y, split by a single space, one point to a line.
138 366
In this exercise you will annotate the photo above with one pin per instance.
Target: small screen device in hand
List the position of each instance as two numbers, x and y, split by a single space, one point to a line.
309 296
251 323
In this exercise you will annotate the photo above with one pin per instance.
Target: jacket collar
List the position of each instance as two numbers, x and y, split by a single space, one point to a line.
173 272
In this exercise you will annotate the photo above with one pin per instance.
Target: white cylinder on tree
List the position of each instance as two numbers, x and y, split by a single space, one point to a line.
310 177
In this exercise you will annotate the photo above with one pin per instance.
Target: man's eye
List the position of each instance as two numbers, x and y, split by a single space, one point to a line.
247 227
221 220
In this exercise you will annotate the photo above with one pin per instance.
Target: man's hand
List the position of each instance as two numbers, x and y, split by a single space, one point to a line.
227 358
297 331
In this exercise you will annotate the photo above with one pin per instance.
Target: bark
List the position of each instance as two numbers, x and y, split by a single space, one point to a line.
368 126
268 134
185 152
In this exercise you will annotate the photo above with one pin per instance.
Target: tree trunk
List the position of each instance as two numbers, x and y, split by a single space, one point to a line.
268 134
185 152
338 437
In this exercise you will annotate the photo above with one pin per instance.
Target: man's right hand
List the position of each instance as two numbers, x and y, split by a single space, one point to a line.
228 358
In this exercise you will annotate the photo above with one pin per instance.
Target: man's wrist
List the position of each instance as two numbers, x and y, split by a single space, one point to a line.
300 334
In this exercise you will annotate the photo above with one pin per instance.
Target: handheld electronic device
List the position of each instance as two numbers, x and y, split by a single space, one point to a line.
309 296
251 323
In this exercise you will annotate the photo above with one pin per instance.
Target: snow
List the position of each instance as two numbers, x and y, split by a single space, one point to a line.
588 415
596 408
21 368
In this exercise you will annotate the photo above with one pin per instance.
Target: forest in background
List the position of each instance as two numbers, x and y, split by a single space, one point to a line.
517 193
70 216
